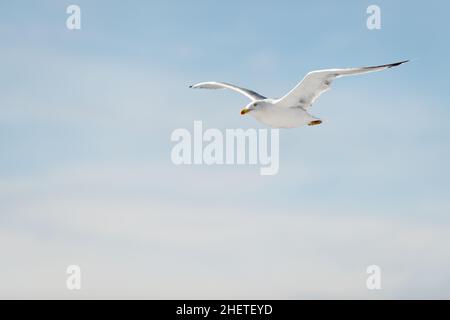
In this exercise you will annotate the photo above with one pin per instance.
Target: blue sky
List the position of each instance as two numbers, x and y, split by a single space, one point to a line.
86 176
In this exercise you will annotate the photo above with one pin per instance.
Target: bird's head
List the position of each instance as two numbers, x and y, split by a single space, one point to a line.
252 106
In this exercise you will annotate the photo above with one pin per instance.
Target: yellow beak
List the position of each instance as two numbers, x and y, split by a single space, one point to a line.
244 111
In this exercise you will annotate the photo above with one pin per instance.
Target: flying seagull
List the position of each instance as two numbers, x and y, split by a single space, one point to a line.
291 110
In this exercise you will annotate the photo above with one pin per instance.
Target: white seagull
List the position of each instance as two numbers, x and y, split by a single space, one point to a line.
291 111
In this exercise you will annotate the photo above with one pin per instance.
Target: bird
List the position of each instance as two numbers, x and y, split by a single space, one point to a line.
292 110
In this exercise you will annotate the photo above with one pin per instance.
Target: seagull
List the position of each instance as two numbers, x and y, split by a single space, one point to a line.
292 110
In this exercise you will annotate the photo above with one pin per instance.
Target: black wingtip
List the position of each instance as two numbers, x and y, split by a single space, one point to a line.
397 63
190 86
390 65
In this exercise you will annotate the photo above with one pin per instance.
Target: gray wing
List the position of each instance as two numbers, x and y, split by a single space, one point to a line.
252 95
317 82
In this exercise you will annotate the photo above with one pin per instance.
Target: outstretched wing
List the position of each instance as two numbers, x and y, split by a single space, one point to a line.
317 82
252 95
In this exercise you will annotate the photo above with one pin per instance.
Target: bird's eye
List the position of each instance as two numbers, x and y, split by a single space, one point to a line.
254 104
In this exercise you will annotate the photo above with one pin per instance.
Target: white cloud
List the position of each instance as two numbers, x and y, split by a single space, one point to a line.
142 246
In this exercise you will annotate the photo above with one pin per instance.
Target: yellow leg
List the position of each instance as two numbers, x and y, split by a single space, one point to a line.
315 122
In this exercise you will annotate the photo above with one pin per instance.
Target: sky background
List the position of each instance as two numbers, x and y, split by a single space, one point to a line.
86 176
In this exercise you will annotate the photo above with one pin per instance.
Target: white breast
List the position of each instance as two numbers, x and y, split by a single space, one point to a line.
277 117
